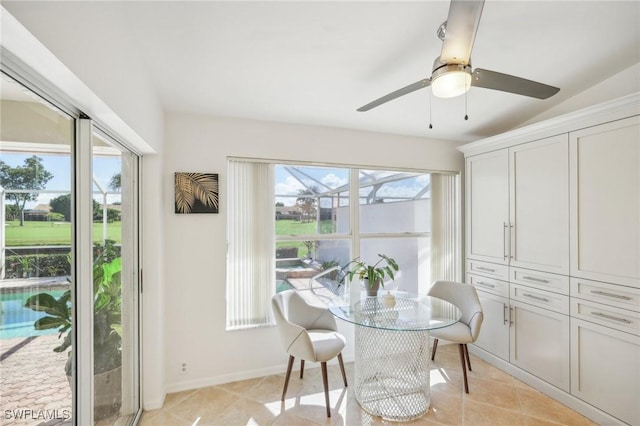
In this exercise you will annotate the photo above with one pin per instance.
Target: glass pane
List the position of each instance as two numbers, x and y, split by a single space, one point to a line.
412 256
394 202
116 396
35 262
311 200
296 270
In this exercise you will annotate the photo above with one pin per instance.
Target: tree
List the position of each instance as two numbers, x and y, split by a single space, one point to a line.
116 182
30 177
12 213
62 205
307 203
97 210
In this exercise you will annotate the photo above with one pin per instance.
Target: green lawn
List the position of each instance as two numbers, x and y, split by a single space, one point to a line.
59 233
53 233
294 227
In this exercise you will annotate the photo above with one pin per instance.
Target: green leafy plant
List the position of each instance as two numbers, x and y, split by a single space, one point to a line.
107 322
377 272
25 264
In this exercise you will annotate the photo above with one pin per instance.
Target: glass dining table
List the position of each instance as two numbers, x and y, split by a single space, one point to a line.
392 353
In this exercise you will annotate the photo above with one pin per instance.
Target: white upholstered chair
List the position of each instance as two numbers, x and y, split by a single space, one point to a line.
307 332
466 330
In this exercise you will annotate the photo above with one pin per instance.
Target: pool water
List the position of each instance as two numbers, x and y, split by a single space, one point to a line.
16 320
282 285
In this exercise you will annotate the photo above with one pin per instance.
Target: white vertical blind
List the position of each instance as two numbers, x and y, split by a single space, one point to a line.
251 254
445 228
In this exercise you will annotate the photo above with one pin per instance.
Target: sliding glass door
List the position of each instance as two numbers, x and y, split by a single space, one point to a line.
69 284
115 281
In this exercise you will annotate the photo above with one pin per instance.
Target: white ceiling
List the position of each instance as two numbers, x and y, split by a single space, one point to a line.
316 62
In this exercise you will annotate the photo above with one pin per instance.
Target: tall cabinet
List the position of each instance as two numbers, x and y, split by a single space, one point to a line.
553 248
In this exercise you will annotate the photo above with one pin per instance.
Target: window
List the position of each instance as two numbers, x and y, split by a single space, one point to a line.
289 223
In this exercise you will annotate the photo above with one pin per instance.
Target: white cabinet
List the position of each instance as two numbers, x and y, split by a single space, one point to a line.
487 184
605 202
605 369
605 347
539 207
518 206
553 216
526 319
494 333
540 343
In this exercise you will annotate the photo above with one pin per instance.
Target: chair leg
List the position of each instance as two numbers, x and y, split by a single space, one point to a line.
464 367
286 379
325 382
433 351
466 353
344 376
301 367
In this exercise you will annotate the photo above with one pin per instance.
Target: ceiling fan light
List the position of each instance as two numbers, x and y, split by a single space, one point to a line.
451 83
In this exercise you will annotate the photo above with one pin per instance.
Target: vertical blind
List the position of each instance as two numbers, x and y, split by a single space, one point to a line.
251 254
445 228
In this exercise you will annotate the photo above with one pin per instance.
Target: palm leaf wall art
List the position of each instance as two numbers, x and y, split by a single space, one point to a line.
196 192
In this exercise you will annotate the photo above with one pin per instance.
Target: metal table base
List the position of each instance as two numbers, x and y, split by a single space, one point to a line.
392 372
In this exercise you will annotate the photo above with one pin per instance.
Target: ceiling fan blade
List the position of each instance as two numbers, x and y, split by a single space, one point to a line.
393 95
460 33
509 83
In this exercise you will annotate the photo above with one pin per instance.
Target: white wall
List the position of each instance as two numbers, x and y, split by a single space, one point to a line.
618 85
195 245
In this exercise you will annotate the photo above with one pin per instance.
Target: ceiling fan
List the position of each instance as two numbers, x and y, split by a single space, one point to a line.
452 75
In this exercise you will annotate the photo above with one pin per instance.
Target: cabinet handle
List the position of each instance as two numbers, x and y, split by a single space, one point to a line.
504 240
604 293
601 315
482 268
483 284
532 296
504 313
539 280
510 315
512 241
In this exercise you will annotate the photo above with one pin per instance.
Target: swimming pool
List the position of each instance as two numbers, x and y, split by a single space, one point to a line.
16 320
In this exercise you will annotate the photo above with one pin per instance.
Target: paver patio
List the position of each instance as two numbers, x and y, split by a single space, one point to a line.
33 384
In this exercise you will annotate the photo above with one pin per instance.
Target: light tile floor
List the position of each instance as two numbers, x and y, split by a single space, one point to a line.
495 398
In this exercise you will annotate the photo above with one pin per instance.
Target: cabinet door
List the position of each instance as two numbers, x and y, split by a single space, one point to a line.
494 332
605 369
487 186
539 210
539 342
605 202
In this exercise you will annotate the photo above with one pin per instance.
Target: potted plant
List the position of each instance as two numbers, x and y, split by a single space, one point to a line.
107 328
372 274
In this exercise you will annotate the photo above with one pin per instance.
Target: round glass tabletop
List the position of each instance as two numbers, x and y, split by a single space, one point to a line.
397 310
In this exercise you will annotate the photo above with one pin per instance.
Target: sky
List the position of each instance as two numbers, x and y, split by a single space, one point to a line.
288 183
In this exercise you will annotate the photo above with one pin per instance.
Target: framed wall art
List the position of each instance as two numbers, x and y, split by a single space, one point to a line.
196 193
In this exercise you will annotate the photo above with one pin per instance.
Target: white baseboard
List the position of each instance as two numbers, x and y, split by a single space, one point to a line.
154 404
236 376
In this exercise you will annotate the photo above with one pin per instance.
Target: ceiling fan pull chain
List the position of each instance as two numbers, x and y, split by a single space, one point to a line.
466 117
430 126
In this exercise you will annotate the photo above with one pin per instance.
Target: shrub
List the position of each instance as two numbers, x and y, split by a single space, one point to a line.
37 265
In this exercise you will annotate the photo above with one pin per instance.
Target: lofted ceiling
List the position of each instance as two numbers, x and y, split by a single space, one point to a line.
309 62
